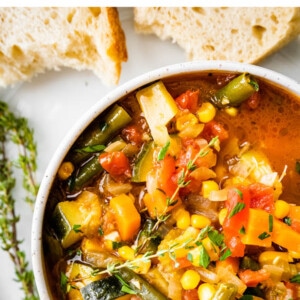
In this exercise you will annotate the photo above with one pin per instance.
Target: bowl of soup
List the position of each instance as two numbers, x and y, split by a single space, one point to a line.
183 183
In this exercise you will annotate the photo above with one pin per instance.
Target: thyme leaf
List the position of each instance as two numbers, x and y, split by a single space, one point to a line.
16 134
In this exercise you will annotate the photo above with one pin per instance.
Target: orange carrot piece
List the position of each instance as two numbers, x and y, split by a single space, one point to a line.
126 215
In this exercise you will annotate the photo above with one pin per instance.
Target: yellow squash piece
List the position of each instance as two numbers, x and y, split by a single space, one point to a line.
159 108
74 219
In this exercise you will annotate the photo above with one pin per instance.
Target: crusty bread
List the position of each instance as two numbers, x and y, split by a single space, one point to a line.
33 40
246 34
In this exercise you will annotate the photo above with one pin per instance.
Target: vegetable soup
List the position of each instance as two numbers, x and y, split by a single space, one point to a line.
187 188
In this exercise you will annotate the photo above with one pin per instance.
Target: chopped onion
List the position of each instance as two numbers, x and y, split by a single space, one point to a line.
220 195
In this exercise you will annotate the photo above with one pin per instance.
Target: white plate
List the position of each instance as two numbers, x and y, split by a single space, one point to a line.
53 102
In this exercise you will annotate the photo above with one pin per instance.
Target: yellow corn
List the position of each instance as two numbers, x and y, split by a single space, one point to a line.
206 112
282 209
190 279
200 221
212 250
65 170
222 215
231 111
126 252
185 121
206 291
209 186
273 257
183 219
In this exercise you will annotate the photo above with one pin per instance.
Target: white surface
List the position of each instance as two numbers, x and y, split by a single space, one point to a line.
54 101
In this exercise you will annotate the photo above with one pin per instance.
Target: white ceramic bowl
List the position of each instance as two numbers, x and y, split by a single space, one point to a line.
91 114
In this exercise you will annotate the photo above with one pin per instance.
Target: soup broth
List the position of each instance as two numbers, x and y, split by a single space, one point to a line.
179 192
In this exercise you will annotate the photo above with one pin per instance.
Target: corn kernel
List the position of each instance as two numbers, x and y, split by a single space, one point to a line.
141 265
282 209
206 112
183 219
190 279
212 250
222 215
185 121
65 170
231 111
206 291
200 221
208 186
126 252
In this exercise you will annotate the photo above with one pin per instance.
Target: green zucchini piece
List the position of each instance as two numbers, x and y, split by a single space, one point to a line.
143 163
105 289
225 291
71 219
141 286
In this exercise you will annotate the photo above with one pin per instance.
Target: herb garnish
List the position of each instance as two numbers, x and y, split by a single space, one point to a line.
15 132
237 208
264 235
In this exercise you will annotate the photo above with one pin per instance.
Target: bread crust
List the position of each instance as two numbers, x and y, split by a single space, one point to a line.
36 39
245 34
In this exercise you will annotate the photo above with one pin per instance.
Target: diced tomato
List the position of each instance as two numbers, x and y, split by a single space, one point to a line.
234 244
238 204
253 278
213 129
292 290
262 197
166 175
133 134
190 294
115 163
182 262
188 100
253 100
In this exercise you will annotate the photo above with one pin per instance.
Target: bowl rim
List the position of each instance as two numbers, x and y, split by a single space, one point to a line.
111 97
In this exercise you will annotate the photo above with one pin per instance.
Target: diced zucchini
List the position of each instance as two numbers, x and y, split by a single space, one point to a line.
74 219
144 163
159 108
105 289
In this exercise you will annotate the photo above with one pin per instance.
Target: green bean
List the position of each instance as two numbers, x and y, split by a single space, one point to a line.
225 291
142 287
236 91
115 119
86 173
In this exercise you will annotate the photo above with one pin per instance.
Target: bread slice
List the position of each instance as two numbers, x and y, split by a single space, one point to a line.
245 34
33 40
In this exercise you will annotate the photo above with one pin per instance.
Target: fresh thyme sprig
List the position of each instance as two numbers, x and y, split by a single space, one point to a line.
14 131
182 182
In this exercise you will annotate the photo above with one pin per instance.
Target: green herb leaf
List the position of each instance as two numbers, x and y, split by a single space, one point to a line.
264 235
163 151
270 223
238 207
216 237
126 288
297 167
295 278
239 192
91 149
204 259
225 254
76 228
287 220
242 230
